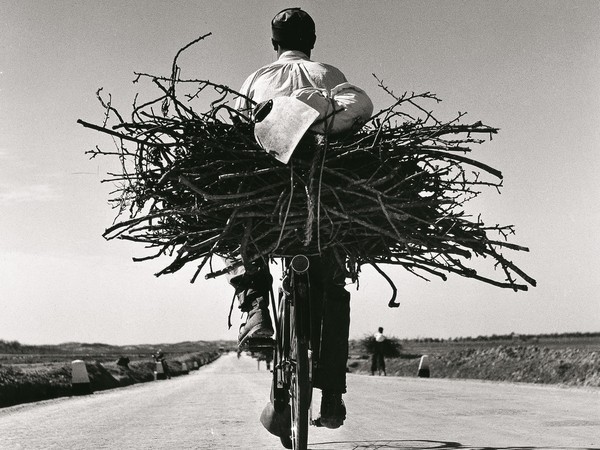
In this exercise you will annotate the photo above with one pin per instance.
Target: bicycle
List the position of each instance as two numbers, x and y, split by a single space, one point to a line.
293 352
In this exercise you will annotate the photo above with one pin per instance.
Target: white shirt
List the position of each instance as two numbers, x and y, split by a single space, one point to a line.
293 70
341 105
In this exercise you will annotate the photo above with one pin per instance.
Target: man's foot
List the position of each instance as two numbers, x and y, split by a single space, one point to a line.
286 441
257 326
333 410
277 423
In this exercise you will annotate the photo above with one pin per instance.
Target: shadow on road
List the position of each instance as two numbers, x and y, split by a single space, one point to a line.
422 445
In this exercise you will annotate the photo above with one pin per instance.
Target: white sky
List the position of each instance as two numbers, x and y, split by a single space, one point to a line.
530 68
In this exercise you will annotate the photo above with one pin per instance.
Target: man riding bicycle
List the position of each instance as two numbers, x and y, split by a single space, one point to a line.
316 84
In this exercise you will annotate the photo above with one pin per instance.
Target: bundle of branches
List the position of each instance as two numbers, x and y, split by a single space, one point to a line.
196 184
391 348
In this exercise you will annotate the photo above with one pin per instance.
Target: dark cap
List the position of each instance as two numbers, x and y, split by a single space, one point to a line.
293 28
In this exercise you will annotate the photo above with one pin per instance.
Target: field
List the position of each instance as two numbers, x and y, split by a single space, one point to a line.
33 373
572 360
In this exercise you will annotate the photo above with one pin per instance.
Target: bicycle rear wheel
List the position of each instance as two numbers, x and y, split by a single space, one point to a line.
300 387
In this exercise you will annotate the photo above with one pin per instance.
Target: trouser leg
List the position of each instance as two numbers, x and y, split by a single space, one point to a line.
333 357
328 277
251 285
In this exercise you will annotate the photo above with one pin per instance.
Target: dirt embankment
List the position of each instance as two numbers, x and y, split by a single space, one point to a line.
35 382
513 363
33 374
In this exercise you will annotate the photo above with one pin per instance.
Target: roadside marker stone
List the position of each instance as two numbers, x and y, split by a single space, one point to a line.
80 381
423 367
159 372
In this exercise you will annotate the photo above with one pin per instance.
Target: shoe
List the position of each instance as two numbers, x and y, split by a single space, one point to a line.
286 441
258 324
277 423
333 410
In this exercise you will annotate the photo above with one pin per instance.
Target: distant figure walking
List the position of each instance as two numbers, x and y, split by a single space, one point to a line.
159 357
378 361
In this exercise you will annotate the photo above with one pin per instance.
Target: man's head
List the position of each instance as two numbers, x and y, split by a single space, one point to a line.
293 29
381 329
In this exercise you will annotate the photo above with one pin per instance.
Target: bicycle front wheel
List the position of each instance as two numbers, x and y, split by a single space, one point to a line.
300 388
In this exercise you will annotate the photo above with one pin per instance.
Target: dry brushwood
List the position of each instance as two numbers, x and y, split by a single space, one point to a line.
196 184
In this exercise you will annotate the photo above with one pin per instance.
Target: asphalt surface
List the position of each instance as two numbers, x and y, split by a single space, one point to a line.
218 407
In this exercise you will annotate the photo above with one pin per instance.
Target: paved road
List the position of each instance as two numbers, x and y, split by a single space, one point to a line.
218 406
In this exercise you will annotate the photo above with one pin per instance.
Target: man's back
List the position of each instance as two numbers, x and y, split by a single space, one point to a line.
293 70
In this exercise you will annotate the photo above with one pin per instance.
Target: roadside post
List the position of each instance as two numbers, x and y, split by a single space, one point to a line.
423 367
159 372
80 382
